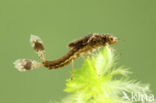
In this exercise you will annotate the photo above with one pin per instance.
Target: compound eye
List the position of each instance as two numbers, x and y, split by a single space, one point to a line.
111 39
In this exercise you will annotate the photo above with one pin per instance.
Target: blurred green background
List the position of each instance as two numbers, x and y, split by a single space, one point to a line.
58 22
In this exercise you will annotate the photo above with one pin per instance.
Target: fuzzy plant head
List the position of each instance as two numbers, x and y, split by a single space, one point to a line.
100 80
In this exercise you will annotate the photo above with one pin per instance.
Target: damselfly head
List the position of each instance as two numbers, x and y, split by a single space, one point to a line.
110 39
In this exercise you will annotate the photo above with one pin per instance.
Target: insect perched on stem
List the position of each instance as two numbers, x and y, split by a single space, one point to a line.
77 48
